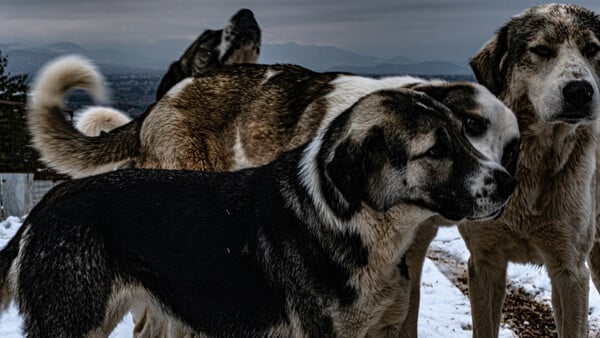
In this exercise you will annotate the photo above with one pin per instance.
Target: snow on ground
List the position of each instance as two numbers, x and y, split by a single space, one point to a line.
533 279
445 311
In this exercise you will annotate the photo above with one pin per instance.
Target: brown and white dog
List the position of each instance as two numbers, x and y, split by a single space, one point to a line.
545 65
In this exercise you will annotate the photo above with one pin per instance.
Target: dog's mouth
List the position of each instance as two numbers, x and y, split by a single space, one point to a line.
575 117
494 215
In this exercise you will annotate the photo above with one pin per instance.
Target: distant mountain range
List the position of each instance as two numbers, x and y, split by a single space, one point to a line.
152 58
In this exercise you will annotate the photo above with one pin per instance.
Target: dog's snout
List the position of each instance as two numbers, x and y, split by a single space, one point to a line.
244 15
505 182
578 94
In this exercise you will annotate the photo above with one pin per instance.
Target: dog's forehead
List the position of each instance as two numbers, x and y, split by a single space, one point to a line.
553 24
474 99
462 97
415 109
403 115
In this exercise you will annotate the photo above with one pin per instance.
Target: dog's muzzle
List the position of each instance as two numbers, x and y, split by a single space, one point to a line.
578 97
244 19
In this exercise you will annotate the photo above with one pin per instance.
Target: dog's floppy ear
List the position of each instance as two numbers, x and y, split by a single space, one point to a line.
488 64
352 164
438 93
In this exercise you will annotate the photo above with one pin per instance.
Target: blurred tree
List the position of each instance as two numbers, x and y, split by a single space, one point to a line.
15 153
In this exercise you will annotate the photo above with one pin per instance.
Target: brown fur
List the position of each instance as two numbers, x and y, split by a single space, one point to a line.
550 218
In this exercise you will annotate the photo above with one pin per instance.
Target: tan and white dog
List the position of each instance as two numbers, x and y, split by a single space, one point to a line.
545 65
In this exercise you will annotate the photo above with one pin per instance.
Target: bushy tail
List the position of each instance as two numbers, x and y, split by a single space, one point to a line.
61 146
93 121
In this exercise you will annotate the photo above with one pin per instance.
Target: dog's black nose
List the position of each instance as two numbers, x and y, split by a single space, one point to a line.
578 94
505 182
243 14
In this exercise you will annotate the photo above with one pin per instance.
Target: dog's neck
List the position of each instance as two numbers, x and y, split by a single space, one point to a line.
549 153
551 146
386 234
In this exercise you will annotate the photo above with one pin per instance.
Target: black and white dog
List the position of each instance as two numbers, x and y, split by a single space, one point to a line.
308 245
238 42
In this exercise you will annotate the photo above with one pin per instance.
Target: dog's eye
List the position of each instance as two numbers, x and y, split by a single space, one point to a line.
475 126
590 50
439 150
542 51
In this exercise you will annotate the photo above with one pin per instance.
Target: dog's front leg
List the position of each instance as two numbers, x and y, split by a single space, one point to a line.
570 289
415 256
487 265
487 288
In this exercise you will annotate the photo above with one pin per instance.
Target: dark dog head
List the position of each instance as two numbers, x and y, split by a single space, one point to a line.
402 148
238 42
546 61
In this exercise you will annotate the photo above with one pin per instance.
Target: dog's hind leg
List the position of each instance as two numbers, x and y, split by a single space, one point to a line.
415 256
67 286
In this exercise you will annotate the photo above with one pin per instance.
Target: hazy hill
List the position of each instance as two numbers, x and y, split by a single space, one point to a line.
421 68
137 58
315 57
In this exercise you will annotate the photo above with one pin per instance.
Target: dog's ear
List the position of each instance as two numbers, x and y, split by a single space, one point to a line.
353 163
438 93
489 63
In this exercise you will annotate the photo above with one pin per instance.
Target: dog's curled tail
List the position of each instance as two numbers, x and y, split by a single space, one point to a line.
60 145
93 121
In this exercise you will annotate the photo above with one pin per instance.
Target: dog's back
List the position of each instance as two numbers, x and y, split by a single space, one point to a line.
248 115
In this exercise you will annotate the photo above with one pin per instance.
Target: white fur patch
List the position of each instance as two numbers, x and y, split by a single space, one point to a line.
269 74
92 121
309 177
503 126
224 45
350 88
179 86
240 159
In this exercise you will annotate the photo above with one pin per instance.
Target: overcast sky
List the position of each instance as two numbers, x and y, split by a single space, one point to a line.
420 29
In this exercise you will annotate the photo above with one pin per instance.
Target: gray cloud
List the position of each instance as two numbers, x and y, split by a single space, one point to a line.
428 29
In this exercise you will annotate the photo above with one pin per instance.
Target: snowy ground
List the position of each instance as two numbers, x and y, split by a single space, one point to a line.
444 311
